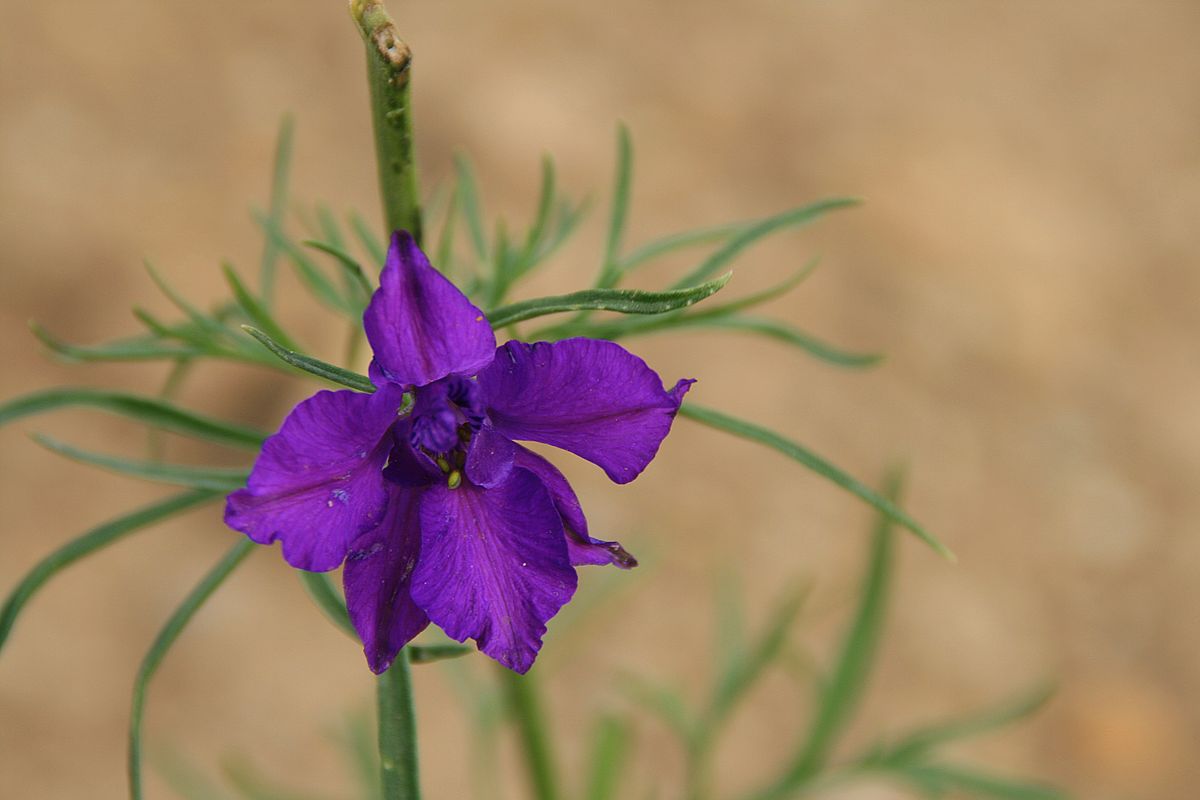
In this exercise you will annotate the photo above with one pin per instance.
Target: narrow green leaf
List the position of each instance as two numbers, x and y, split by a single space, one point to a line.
356 280
183 777
255 312
429 653
840 695
162 643
944 778
625 301
369 240
357 738
611 744
94 540
330 230
920 742
843 691
311 365
680 241
750 664
142 348
618 215
521 692
664 702
629 326
186 333
756 433
789 335
541 217
212 478
250 784
795 217
320 588
147 410
468 195
213 329
277 206
313 277
445 246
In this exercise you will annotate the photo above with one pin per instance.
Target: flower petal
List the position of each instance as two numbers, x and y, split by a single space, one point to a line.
581 548
589 396
490 457
420 326
378 572
493 565
318 483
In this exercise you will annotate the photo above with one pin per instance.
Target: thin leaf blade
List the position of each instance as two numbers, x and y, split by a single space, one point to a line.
91 542
624 301
756 433
313 366
150 411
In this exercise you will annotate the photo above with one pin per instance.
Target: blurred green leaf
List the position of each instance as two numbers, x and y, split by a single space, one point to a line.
255 312
320 588
141 348
163 642
278 207
445 246
618 217
612 741
663 702
357 285
541 218
937 779
183 777
523 697
665 245
213 478
840 695
920 742
94 540
793 336
251 785
625 301
147 410
756 433
792 218
211 328
357 737
313 277
471 207
312 365
370 242
749 664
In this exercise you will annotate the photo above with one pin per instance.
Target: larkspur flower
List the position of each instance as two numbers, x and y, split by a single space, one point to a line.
420 488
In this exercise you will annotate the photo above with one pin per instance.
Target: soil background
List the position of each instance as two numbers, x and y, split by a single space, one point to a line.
1026 257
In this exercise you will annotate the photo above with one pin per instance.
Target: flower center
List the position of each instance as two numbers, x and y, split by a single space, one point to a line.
445 415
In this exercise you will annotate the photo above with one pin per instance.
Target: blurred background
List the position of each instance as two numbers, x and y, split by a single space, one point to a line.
1026 258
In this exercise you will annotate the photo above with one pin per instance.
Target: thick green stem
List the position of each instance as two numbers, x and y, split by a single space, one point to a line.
397 732
388 75
389 72
521 694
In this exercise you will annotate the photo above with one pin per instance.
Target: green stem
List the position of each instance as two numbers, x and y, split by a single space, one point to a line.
522 696
388 76
397 732
389 63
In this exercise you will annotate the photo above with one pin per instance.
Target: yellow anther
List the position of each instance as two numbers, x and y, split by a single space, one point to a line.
455 479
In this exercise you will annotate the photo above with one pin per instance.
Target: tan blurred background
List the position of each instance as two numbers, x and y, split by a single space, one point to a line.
1026 258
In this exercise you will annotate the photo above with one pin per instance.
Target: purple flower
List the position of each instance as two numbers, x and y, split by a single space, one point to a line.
420 488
